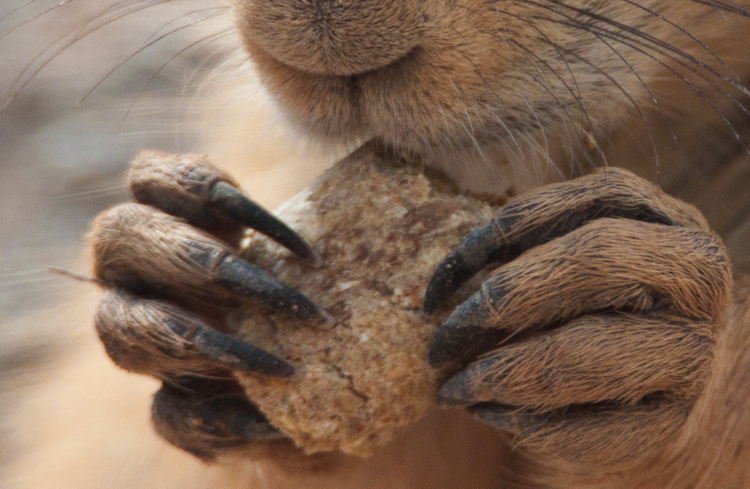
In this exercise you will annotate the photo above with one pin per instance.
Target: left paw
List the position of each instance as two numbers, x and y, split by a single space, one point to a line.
599 321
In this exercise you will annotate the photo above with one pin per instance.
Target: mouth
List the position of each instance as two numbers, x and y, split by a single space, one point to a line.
338 107
393 65
388 65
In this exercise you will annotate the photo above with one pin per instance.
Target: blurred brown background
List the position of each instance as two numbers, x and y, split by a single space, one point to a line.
85 85
63 149
62 157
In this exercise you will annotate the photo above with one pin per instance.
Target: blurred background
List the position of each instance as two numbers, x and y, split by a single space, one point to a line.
84 86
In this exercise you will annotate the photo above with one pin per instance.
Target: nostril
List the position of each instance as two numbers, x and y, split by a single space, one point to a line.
332 37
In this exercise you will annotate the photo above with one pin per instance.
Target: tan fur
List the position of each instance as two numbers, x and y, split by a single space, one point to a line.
525 84
476 89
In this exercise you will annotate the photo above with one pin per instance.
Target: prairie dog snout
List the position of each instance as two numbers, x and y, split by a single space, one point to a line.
333 37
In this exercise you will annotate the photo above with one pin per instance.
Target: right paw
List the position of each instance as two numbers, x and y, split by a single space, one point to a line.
172 276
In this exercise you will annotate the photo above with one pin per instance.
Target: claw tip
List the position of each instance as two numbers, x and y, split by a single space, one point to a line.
327 318
455 392
448 276
452 342
278 368
315 259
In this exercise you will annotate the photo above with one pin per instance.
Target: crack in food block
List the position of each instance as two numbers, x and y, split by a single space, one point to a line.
381 229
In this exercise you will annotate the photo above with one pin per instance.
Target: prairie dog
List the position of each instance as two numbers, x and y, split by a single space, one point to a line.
506 96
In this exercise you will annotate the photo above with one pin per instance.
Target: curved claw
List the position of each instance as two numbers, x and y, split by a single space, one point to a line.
157 338
138 247
464 332
190 187
468 258
234 353
243 278
232 202
551 212
498 415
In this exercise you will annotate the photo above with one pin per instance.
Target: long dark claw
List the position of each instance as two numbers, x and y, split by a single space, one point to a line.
550 213
500 416
453 344
243 278
157 338
465 331
472 385
204 416
232 202
457 391
190 187
473 254
138 247
237 354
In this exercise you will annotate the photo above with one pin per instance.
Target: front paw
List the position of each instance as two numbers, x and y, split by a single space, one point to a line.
599 322
171 274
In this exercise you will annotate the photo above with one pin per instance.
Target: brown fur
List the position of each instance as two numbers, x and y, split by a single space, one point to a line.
553 87
505 96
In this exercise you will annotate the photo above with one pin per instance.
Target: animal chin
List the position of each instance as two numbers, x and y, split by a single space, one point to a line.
397 102
335 66
329 62
328 105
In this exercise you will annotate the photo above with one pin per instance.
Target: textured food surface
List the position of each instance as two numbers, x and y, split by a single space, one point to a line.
381 229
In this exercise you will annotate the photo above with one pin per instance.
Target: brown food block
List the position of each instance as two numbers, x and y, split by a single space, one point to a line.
382 229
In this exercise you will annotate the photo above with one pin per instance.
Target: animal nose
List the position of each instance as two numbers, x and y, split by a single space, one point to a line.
332 37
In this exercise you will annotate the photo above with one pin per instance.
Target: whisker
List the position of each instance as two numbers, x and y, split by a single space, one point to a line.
624 92
695 88
488 87
614 36
691 36
654 40
189 14
576 97
76 196
733 8
526 52
211 38
143 48
634 43
16 9
27 78
59 4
